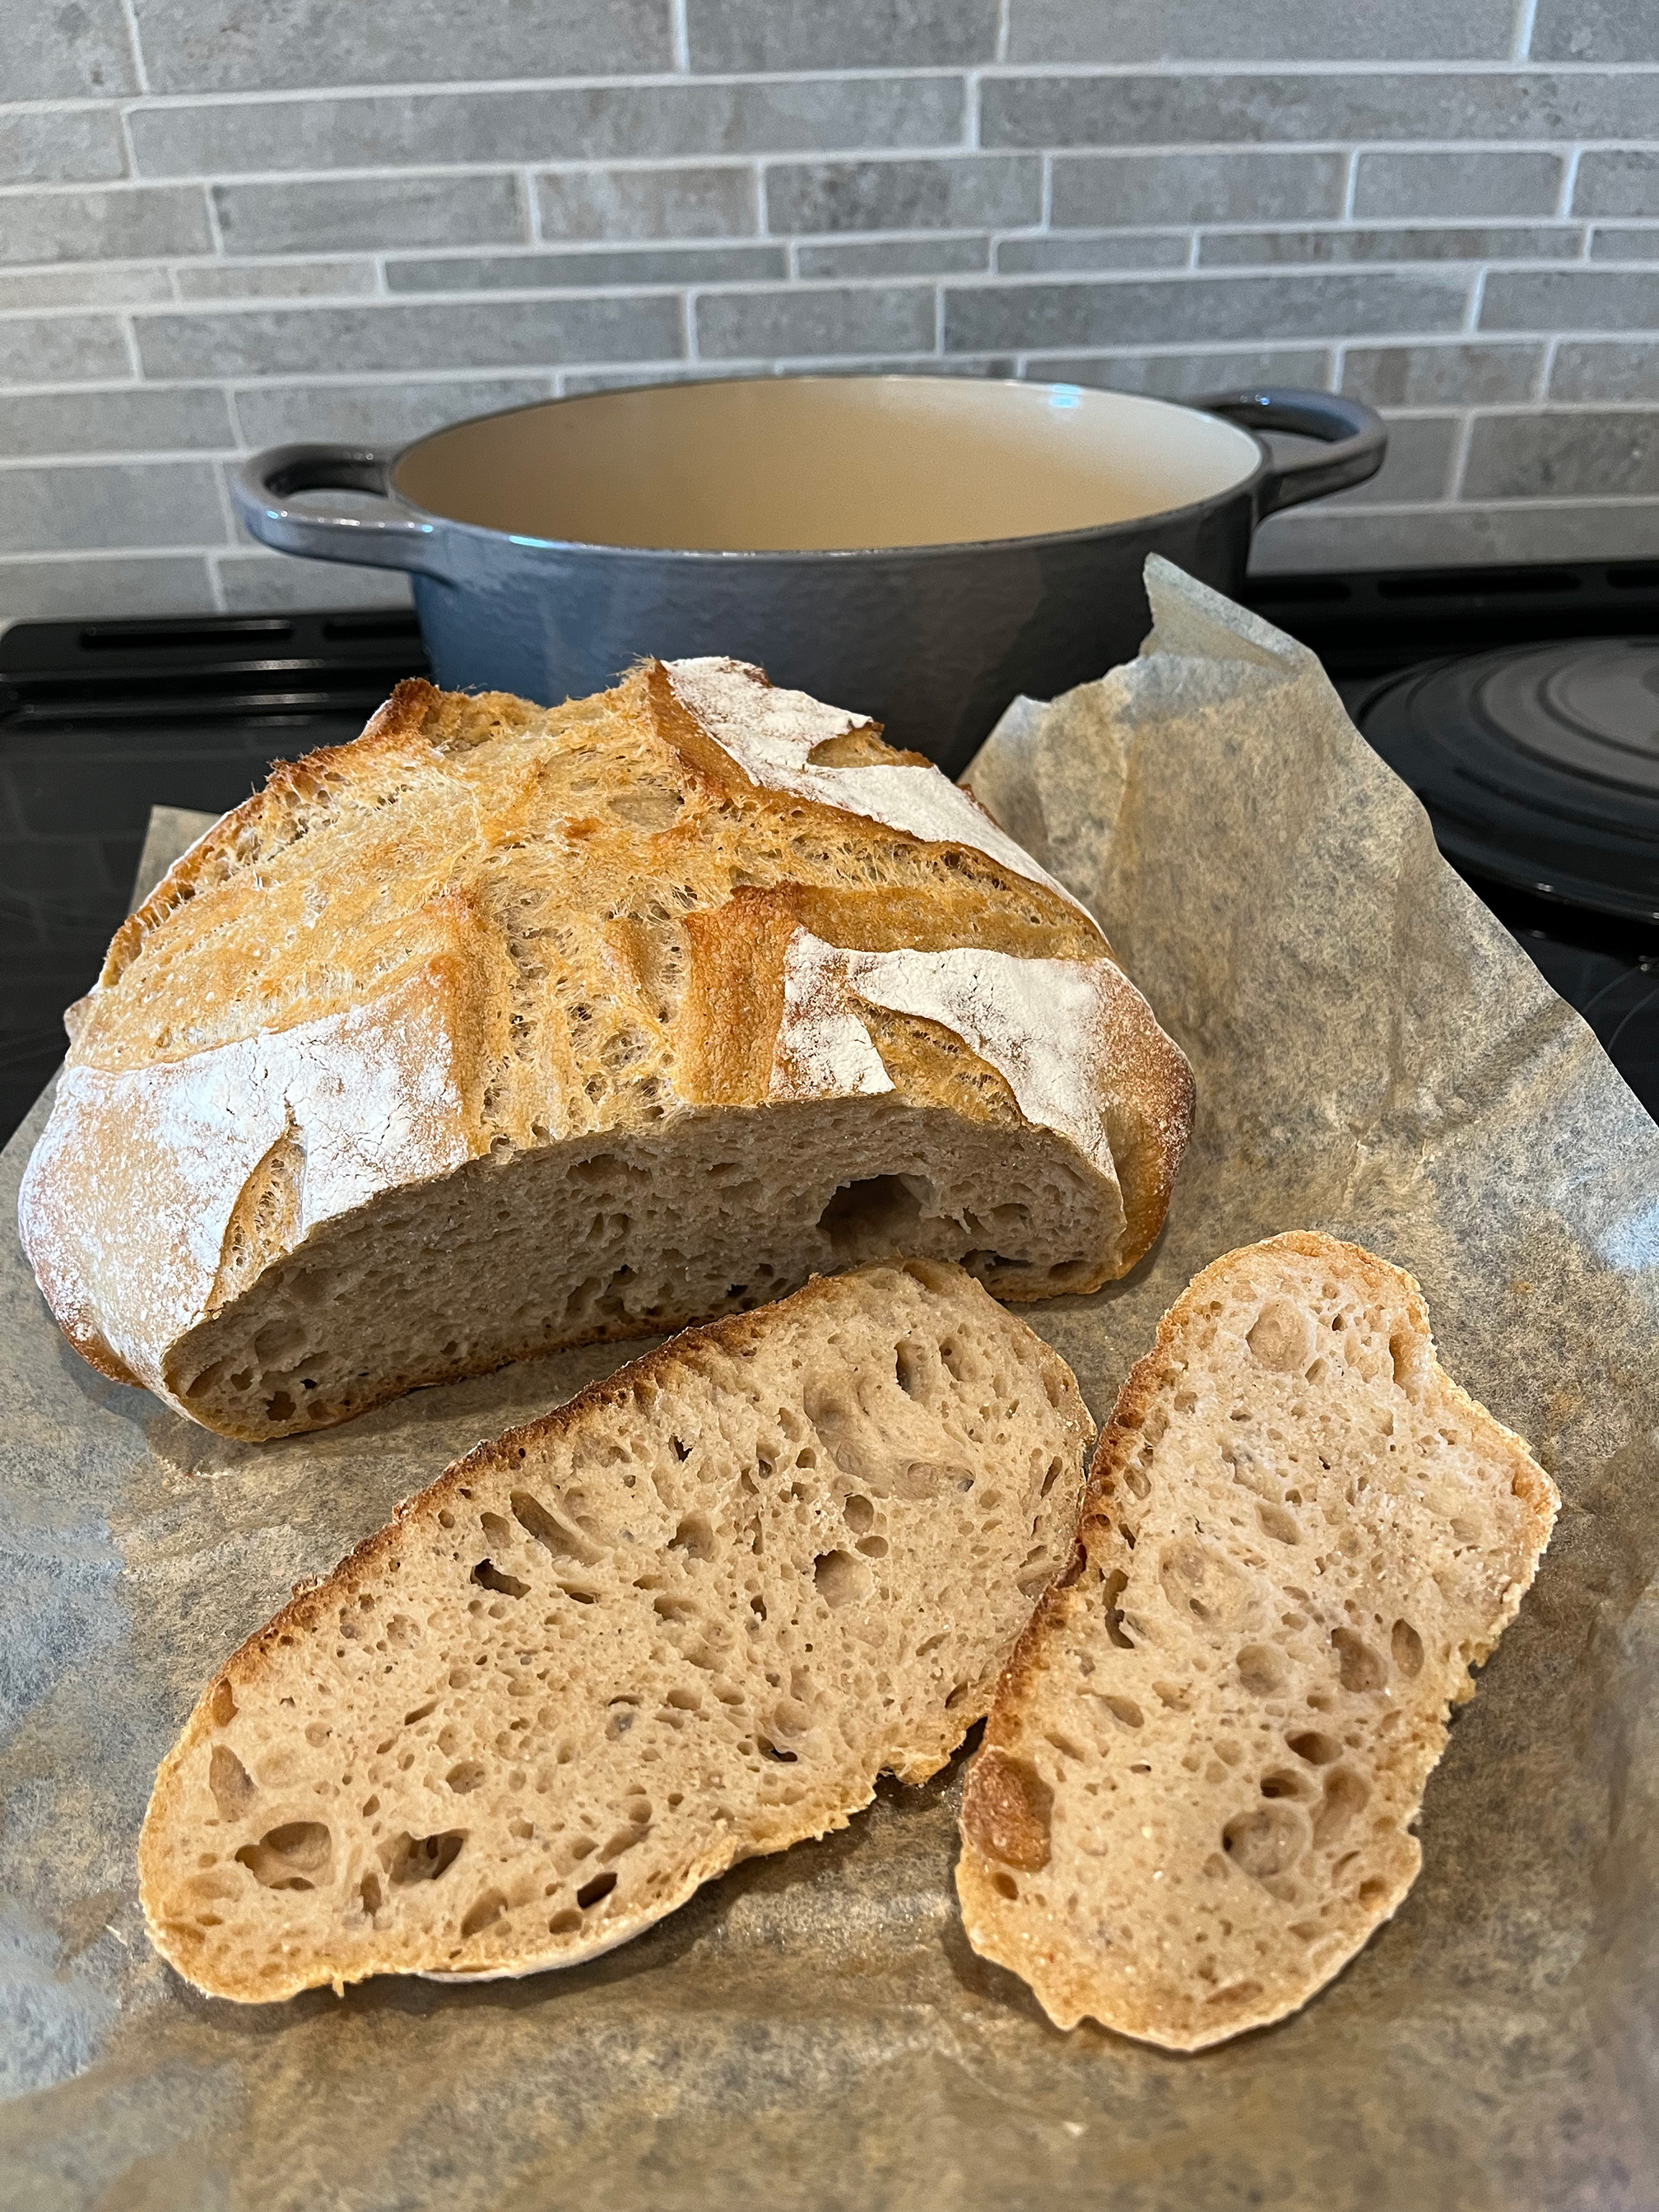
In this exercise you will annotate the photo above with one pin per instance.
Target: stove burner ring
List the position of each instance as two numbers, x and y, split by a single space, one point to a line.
1589 706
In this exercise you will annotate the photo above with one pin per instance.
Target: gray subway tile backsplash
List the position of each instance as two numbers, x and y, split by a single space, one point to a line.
577 271
1404 183
1081 252
375 414
764 35
1566 456
1273 108
62 350
222 46
1620 180
362 223
1121 31
1570 299
787 325
102 587
1451 375
1186 375
109 504
423 130
136 421
1614 371
964 192
370 213
116 225
399 338
1443 242
276 280
1595 31
1617 242
1093 190
1050 316
940 255
706 201
78 53
53 146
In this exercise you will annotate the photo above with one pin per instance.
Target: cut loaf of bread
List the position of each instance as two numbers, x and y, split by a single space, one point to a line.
503 1029
1200 1779
688 1618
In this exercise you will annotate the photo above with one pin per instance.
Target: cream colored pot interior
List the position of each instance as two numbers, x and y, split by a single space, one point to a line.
825 463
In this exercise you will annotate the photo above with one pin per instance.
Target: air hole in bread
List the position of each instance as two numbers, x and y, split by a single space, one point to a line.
1267 1843
487 1909
1279 1784
489 1577
1261 1669
465 1776
1112 1589
693 1536
591 1892
1124 1711
552 1531
863 1221
1318 1749
230 1782
289 1856
840 1579
1359 1668
1406 1647
1346 1794
408 1858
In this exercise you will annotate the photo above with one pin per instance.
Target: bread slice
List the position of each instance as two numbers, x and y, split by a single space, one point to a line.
503 1029
690 1617
1199 1782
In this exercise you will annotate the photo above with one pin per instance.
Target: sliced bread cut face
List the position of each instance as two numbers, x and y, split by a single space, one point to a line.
689 1618
1199 1786
504 1028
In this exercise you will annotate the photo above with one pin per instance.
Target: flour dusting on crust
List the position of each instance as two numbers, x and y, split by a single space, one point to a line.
370 1096
771 734
1042 1025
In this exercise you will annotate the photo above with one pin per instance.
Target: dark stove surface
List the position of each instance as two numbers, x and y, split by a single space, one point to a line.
100 721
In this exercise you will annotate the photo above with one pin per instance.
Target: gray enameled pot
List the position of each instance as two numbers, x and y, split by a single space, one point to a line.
921 548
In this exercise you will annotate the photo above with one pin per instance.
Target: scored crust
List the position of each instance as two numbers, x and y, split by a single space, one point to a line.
692 914
1199 1787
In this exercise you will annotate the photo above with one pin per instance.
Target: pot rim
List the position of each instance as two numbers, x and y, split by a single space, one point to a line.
1244 488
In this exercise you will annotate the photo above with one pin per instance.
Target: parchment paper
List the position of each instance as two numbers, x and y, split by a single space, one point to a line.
1374 1056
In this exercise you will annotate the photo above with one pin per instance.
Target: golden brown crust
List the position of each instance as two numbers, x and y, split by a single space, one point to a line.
556 896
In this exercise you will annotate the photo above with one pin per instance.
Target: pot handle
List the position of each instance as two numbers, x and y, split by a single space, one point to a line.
1355 435
261 488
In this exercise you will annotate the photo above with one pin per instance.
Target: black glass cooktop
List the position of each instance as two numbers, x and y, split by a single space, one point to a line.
1521 704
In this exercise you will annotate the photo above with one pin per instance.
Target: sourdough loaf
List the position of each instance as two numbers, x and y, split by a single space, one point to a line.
503 1029
1201 1780
688 1618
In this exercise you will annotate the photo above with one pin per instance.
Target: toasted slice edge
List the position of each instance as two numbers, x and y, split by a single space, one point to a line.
1199 1785
688 1618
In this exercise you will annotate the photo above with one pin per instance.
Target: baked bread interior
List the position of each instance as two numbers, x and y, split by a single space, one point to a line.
688 1618
1199 1786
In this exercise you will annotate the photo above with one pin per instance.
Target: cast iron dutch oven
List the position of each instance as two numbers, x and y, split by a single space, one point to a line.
918 548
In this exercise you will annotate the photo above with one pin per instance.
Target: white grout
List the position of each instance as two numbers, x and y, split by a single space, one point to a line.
240 386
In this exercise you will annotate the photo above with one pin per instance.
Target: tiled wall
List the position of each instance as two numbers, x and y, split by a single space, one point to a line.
227 223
